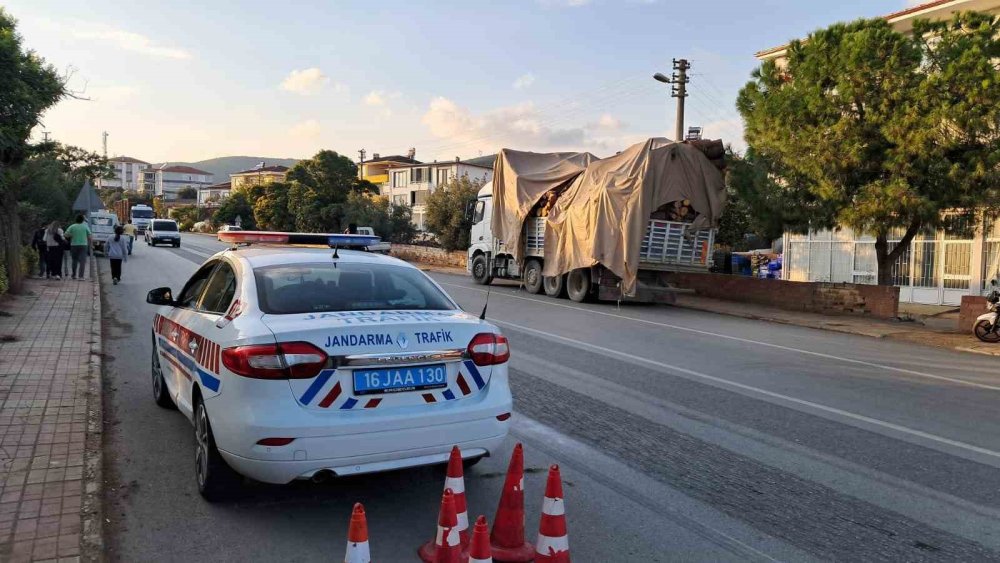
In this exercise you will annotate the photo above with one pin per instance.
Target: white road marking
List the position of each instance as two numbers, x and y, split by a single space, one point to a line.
744 340
758 391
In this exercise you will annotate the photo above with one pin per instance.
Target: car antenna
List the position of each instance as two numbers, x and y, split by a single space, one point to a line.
335 255
482 316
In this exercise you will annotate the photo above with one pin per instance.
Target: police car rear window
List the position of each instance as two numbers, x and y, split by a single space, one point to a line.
312 288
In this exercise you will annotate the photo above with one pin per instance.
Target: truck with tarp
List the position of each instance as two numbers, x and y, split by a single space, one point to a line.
588 228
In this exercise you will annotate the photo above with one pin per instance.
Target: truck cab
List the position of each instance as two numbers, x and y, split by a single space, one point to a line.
102 227
481 245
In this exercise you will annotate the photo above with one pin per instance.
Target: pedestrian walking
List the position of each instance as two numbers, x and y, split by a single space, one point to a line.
38 243
117 251
80 240
54 242
130 230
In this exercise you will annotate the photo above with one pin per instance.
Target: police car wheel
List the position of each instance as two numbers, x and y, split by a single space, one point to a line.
160 393
533 277
216 480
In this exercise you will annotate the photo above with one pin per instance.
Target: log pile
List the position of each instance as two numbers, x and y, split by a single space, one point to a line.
675 211
713 149
545 204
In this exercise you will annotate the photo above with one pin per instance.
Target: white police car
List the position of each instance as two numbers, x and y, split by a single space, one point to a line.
305 363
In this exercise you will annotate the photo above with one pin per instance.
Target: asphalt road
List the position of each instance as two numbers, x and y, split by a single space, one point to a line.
681 436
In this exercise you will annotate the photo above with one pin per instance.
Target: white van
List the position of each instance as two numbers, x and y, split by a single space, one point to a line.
163 231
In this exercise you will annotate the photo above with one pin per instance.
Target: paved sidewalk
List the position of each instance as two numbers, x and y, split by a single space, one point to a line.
50 421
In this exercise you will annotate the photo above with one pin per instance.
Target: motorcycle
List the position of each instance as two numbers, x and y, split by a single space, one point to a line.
987 327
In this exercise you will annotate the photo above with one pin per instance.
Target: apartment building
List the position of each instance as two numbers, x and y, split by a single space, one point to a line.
127 173
260 174
213 196
166 181
411 184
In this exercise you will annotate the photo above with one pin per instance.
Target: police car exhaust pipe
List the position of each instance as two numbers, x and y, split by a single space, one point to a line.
321 476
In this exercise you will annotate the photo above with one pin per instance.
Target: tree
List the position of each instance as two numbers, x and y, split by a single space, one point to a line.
236 205
28 87
188 192
879 131
447 212
185 216
270 209
319 188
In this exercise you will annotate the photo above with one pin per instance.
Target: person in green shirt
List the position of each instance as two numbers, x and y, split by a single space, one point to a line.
79 245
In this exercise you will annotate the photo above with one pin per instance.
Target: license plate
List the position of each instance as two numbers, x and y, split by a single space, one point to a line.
398 380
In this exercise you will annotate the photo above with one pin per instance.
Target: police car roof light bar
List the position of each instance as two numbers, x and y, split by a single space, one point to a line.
331 240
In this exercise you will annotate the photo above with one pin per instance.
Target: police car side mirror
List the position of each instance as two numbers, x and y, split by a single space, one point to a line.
160 296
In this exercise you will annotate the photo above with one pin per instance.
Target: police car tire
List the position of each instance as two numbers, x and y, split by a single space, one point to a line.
533 276
160 393
578 284
480 270
220 481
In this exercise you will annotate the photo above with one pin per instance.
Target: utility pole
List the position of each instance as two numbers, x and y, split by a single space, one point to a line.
104 136
361 162
678 89
45 136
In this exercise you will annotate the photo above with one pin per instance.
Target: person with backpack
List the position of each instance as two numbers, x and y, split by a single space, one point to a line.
117 251
54 242
80 240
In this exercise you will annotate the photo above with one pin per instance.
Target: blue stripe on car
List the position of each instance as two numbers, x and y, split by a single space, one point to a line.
316 386
447 394
474 372
349 404
207 379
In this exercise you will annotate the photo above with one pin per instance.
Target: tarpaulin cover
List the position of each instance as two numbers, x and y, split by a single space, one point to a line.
601 216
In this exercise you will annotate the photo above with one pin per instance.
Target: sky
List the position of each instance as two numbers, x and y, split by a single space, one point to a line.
189 80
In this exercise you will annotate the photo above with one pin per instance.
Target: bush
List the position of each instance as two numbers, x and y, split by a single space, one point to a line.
3 278
29 260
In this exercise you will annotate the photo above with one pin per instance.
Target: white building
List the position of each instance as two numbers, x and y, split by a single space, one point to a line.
127 173
166 181
406 181
213 196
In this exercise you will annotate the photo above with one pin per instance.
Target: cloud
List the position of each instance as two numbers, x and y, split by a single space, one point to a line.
307 81
524 81
307 130
608 122
564 3
519 126
380 98
116 37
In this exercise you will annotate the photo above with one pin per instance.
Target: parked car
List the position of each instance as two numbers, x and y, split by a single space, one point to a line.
163 231
382 247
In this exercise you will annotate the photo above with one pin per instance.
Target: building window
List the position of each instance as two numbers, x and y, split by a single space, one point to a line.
442 176
418 175
418 197
398 179
399 199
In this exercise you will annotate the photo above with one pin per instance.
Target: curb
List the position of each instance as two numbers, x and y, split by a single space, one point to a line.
91 507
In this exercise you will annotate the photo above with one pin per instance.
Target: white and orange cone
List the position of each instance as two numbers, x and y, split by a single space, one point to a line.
479 547
357 537
507 539
447 546
454 480
553 543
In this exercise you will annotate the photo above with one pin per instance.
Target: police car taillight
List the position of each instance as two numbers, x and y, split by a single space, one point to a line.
288 360
487 349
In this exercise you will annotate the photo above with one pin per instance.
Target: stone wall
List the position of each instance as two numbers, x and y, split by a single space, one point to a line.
429 255
972 307
815 297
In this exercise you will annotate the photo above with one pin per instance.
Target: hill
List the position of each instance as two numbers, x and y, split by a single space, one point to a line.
223 166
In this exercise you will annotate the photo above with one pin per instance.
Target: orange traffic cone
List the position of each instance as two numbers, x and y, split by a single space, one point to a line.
553 543
507 540
447 547
454 480
479 549
357 537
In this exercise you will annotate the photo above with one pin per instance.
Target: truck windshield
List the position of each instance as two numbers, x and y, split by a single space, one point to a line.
313 288
142 213
101 221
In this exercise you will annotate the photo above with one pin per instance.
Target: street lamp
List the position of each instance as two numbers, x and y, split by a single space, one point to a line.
678 89
660 77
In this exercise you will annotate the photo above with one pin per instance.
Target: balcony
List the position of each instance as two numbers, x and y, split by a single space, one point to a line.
377 179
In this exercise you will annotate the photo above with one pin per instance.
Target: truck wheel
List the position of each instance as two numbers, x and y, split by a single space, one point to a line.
481 271
533 276
578 284
554 285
